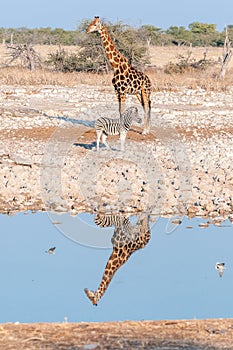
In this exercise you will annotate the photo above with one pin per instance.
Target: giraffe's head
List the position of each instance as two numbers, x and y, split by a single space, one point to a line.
94 26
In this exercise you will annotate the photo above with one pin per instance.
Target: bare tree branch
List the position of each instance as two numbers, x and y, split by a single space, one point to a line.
27 54
227 53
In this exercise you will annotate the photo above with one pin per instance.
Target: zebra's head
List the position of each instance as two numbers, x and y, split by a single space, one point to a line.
132 112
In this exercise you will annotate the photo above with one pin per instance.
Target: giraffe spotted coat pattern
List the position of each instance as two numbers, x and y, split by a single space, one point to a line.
126 79
126 240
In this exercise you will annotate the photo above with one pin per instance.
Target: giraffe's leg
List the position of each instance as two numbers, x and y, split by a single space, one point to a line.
139 97
98 136
147 124
122 139
121 99
104 140
144 99
144 228
147 112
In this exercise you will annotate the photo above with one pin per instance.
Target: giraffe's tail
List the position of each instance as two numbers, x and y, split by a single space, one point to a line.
93 296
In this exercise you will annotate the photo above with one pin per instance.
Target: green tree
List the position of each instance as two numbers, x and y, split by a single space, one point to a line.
204 34
179 35
151 34
202 28
230 32
132 42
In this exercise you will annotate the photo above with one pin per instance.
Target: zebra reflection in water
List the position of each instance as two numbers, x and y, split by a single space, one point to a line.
127 239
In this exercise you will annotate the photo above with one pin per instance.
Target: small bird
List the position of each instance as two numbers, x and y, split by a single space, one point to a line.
220 267
51 250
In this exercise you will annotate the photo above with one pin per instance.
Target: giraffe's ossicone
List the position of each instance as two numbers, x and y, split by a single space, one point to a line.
126 79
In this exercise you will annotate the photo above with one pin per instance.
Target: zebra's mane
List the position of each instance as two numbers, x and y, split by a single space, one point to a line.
129 111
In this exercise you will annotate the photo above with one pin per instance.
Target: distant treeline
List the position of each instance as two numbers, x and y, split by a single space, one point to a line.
197 34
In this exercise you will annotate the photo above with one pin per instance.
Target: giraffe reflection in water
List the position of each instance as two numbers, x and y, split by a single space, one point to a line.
127 239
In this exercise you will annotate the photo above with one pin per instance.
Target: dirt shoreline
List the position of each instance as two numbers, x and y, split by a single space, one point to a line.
164 335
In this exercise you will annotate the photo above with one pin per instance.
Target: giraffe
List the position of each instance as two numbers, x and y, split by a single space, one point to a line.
126 79
126 240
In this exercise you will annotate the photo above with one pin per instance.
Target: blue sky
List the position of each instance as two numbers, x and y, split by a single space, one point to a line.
67 14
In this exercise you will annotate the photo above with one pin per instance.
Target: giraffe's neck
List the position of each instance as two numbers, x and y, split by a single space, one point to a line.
120 254
115 58
115 261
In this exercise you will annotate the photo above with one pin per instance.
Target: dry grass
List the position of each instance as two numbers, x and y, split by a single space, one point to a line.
207 80
22 76
213 334
161 81
160 56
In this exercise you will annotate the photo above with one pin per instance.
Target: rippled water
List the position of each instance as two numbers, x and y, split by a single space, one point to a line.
173 277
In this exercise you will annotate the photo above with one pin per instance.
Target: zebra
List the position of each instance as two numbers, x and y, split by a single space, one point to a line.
116 220
107 126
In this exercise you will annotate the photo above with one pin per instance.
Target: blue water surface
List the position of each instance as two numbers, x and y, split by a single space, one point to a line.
173 277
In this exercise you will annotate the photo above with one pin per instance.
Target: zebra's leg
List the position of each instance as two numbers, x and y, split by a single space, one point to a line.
122 138
104 138
98 136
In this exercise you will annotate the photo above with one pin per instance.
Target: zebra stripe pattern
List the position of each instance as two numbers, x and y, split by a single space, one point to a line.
102 220
124 232
106 126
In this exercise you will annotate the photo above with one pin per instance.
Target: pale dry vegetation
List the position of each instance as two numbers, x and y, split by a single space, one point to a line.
164 335
22 76
159 58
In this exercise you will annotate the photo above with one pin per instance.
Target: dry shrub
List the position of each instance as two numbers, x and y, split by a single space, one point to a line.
207 79
188 63
191 79
22 76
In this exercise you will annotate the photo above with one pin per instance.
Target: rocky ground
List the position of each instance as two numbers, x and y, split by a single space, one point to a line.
161 335
48 159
